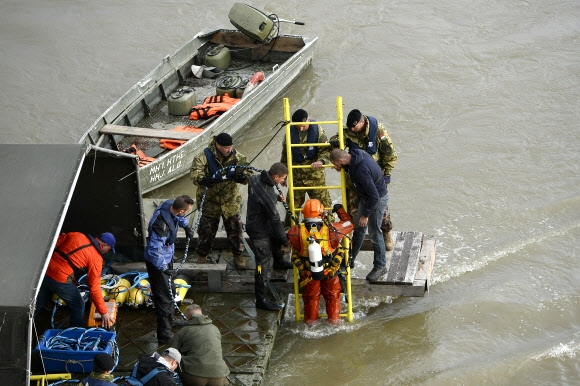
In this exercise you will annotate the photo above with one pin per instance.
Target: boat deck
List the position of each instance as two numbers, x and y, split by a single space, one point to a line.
159 118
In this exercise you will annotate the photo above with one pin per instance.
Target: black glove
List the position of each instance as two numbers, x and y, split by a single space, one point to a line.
387 179
208 181
351 263
334 143
337 207
240 179
231 173
169 272
188 232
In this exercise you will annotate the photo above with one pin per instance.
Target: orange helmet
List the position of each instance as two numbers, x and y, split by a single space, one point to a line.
313 210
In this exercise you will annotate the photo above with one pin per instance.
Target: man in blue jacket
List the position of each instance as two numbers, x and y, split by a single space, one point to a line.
159 258
367 177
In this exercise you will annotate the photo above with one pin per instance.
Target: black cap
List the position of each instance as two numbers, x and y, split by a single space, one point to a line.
224 139
104 362
353 118
300 116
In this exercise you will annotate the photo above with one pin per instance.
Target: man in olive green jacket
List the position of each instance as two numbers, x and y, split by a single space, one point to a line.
366 133
223 198
200 345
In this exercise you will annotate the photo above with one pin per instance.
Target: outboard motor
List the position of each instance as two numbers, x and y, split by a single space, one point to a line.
255 23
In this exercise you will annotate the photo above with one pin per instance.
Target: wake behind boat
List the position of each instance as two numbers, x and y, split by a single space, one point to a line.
252 65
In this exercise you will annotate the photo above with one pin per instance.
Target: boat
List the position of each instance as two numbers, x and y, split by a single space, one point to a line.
262 64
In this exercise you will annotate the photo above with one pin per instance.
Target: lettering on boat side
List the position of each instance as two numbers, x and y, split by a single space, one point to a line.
166 167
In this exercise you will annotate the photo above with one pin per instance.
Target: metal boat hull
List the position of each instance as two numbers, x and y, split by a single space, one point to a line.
134 109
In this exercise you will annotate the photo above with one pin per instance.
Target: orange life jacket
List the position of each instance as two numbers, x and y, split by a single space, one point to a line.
175 143
213 105
143 159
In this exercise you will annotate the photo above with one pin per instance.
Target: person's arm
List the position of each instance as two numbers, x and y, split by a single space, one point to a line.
323 151
155 248
94 269
386 149
366 185
197 170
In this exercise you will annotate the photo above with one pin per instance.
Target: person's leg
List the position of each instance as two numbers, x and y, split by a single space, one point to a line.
358 234
375 233
386 227
43 297
311 300
70 294
163 303
278 256
263 255
234 231
206 232
331 294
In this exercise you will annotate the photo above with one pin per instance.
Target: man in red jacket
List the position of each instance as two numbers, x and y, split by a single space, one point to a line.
74 254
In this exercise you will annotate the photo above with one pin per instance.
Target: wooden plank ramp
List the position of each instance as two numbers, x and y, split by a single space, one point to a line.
409 267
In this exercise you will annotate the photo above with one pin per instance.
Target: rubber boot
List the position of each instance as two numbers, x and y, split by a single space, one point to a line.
331 293
388 241
261 292
311 300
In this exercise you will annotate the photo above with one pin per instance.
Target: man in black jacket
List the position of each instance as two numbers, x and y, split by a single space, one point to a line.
266 230
367 178
166 363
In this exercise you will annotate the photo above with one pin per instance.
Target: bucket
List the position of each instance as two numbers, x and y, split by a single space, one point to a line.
181 101
218 56
228 85
241 88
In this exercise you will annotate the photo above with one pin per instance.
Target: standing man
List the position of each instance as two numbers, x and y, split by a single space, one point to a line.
266 230
370 185
223 198
366 133
319 274
200 344
101 375
315 156
159 258
74 254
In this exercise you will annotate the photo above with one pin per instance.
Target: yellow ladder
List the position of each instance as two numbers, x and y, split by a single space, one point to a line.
291 188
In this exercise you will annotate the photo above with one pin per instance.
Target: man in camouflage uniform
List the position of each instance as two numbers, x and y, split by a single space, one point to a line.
315 156
366 133
223 198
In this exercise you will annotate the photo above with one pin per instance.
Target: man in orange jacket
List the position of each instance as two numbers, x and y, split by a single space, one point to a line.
73 254
318 255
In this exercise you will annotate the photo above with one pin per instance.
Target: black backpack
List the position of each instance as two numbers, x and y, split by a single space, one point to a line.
132 380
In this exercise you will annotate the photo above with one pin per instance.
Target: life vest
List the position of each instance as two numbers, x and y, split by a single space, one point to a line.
372 145
321 236
213 105
143 159
175 143
312 137
74 243
163 211
213 166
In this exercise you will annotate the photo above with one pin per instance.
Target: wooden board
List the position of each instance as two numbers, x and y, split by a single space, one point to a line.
149 133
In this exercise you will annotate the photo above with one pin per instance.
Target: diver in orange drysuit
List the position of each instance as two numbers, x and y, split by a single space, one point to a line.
318 254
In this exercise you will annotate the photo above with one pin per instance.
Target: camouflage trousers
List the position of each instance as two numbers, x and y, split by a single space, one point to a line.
208 227
300 197
353 201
